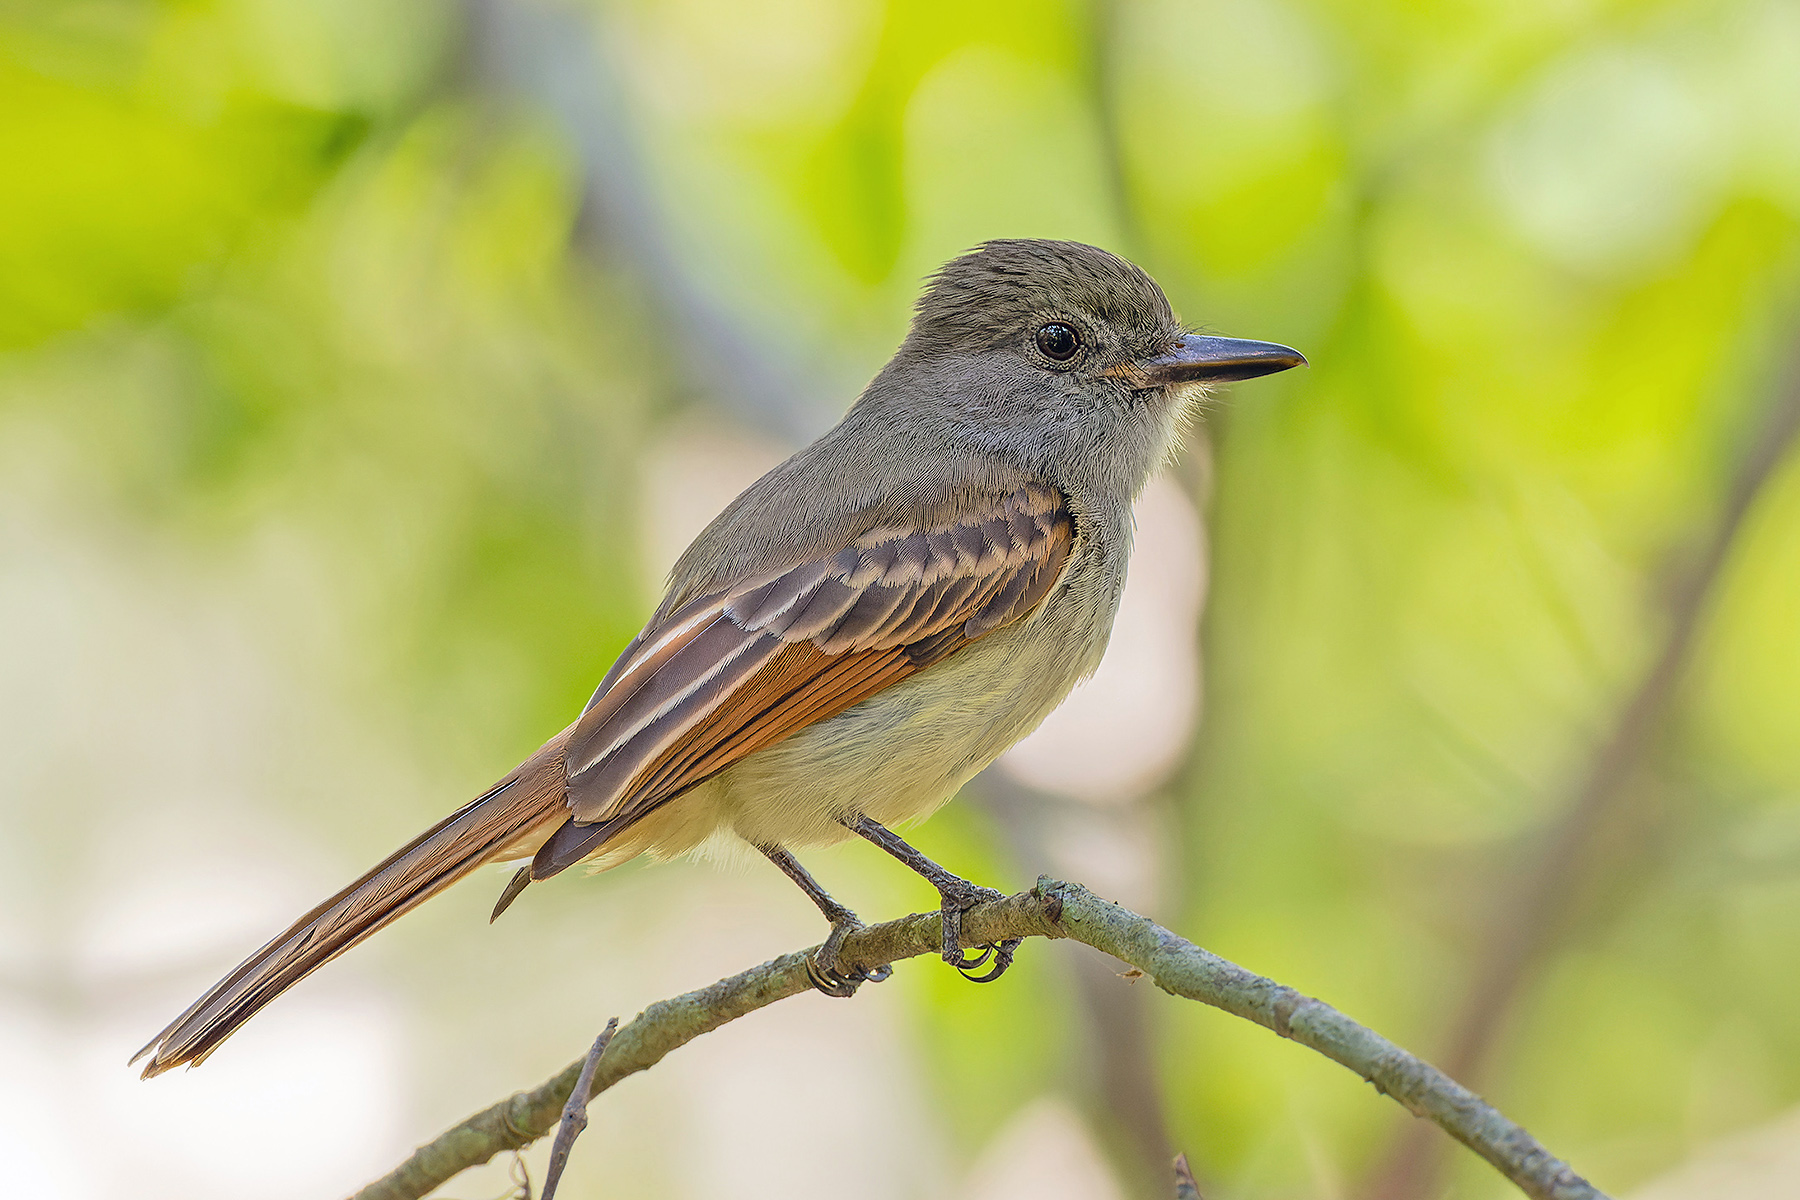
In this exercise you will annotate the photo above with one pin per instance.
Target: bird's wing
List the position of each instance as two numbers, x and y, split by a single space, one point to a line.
736 670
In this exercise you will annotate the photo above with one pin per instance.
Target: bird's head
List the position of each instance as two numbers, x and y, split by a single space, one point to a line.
1064 356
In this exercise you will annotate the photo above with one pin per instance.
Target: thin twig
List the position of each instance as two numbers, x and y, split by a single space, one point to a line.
1051 909
574 1113
1185 1187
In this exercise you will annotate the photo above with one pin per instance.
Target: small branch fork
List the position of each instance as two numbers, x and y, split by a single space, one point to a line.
1051 909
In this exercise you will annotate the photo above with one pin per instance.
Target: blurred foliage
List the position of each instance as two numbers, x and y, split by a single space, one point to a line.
313 283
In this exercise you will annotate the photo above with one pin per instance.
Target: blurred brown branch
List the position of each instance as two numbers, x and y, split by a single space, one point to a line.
563 59
1527 922
1054 910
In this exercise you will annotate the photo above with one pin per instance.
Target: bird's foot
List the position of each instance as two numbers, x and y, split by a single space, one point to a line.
830 976
958 897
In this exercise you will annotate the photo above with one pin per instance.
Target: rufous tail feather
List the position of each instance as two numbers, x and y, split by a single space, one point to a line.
498 824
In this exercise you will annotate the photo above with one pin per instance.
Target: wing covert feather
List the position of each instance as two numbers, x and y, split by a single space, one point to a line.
734 671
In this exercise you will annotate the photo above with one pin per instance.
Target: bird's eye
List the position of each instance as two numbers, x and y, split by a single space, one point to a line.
1058 341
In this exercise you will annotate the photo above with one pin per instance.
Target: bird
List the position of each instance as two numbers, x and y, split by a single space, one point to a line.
858 634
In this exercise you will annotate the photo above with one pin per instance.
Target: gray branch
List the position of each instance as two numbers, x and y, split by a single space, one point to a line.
1054 910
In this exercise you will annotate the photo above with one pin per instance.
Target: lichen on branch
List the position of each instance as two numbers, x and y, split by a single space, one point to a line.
1052 909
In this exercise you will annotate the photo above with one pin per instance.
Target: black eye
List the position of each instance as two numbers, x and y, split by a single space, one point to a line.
1058 341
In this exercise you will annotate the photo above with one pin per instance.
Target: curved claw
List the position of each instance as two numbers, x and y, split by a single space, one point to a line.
963 962
955 904
829 981
822 967
1003 958
843 984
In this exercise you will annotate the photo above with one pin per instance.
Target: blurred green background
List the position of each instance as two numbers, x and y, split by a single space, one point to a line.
362 363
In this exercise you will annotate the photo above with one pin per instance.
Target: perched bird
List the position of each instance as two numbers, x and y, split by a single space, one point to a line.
870 624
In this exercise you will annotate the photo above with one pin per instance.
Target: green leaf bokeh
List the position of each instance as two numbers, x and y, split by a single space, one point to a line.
320 330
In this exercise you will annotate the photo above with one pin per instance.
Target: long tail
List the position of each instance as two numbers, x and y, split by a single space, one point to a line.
498 824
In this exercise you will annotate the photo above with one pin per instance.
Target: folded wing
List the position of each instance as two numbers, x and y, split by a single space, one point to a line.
732 672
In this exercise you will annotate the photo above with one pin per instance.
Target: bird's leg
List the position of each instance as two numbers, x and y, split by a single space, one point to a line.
957 896
822 967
